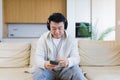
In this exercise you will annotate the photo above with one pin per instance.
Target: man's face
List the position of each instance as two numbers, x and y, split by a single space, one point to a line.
57 29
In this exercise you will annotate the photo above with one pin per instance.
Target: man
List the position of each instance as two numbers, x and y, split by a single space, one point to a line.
56 45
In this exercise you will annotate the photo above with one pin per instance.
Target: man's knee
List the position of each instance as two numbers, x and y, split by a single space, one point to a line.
73 73
43 74
37 74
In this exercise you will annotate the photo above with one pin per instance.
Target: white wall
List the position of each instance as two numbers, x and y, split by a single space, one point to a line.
77 11
71 17
82 11
103 16
1 23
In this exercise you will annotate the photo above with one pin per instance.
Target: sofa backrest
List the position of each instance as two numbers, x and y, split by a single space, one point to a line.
14 54
99 53
92 53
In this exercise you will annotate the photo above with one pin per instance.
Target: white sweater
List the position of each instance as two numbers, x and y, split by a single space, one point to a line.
45 51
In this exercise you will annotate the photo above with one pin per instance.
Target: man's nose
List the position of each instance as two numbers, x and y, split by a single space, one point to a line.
57 30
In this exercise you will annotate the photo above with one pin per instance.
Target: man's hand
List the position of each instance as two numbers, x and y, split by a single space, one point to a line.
49 66
63 62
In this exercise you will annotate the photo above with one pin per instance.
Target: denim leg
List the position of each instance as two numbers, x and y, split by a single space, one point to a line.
72 73
43 74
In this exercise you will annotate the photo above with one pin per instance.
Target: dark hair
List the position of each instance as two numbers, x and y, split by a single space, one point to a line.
57 17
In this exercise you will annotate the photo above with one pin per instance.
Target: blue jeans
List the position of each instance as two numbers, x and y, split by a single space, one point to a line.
72 73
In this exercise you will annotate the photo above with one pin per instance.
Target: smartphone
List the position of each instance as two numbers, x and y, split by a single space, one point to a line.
54 62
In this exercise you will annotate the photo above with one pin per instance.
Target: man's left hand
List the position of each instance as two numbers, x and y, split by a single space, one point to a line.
63 62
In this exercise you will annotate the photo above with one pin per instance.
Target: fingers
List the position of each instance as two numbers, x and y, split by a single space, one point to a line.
49 66
63 62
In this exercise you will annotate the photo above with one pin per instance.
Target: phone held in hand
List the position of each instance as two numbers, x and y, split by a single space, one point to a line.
54 62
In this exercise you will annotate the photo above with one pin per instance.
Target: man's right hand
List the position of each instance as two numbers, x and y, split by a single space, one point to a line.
49 66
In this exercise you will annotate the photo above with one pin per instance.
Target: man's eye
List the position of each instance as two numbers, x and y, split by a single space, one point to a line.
53 29
60 28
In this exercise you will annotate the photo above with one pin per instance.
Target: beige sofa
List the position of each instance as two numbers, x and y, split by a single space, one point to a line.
14 60
100 60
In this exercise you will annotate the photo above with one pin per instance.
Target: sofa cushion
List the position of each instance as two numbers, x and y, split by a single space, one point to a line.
102 73
14 74
14 54
99 53
33 50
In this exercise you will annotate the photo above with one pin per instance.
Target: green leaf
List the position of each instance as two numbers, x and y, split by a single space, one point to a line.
106 32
